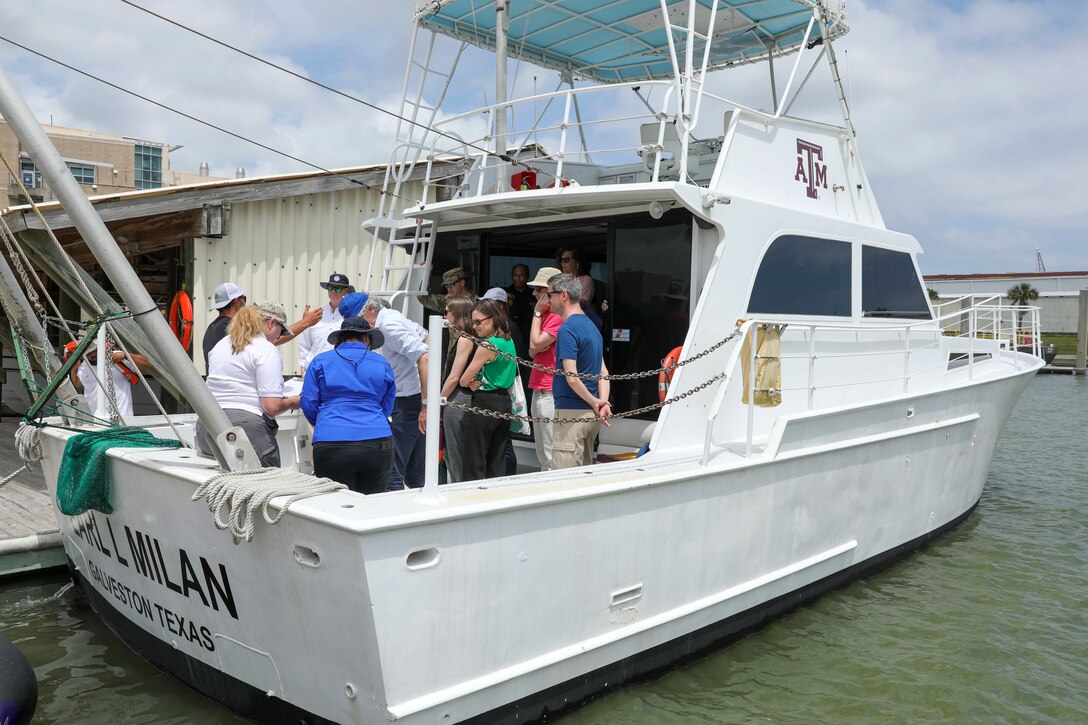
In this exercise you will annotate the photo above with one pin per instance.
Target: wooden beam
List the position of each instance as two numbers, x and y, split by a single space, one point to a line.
141 235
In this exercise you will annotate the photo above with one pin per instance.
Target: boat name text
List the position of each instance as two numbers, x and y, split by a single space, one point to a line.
144 554
171 621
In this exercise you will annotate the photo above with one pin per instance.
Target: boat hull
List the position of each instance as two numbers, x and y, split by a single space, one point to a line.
517 599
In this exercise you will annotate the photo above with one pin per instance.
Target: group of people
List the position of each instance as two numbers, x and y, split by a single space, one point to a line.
559 332
365 407
364 371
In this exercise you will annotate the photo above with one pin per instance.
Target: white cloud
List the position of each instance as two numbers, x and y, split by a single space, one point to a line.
967 110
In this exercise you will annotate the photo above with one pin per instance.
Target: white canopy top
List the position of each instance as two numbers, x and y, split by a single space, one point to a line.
614 41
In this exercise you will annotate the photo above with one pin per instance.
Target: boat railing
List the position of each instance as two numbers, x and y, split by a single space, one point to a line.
828 365
593 134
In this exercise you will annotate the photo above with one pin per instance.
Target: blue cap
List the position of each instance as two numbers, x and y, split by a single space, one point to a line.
352 304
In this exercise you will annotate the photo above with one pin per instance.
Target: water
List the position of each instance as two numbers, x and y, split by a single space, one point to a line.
987 625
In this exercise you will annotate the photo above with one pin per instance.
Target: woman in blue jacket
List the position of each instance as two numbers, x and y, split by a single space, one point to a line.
348 395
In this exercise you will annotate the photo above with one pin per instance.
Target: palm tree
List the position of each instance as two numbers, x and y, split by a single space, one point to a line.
1021 295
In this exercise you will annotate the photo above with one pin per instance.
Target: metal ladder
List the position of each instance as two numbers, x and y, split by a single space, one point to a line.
402 278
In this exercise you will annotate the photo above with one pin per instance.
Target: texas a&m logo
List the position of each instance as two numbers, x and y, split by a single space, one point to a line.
810 171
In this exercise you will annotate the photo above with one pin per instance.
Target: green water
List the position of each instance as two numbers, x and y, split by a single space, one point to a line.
987 625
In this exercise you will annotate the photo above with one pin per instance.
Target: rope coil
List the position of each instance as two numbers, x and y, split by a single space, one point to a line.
28 443
243 493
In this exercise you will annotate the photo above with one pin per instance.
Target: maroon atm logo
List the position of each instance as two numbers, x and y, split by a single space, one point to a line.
810 170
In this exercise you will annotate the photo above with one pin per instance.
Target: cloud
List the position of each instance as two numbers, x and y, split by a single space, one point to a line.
967 110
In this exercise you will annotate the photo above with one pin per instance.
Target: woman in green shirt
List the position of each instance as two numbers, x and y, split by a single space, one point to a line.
490 376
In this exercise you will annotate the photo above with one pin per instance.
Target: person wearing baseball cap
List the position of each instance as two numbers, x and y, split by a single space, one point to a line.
245 374
454 284
315 340
228 299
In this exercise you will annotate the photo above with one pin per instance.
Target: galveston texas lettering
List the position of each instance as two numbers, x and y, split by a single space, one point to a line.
143 553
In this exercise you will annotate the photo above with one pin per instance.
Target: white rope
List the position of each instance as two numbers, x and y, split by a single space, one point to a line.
244 492
28 443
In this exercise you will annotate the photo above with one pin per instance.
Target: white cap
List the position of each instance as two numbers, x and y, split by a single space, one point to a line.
225 294
497 293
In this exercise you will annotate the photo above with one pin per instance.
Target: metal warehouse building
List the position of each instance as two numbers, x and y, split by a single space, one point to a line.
277 237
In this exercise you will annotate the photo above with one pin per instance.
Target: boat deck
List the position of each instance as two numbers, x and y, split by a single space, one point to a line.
29 538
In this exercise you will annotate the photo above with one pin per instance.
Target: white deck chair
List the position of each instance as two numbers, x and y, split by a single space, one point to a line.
669 150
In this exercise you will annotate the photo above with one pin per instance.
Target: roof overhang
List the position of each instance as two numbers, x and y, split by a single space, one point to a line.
617 41
540 205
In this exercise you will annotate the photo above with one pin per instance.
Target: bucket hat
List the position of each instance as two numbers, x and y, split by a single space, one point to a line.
543 275
358 325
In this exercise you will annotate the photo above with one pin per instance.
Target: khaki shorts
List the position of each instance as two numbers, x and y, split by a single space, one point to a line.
572 445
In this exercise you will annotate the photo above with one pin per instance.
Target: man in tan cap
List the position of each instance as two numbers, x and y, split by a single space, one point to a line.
455 284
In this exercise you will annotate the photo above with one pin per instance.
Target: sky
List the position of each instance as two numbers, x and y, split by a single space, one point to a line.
971 114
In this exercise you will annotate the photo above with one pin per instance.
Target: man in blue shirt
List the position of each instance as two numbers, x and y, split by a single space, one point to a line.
406 352
579 348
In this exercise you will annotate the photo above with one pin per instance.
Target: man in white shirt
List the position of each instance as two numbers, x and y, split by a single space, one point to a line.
84 380
406 352
314 340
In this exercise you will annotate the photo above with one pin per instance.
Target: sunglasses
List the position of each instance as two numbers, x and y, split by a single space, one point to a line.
477 323
566 259
338 290
554 293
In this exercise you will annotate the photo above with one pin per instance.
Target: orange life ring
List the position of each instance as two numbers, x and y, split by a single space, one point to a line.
665 376
181 318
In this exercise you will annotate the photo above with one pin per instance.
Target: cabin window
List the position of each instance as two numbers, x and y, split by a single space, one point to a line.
803 276
890 286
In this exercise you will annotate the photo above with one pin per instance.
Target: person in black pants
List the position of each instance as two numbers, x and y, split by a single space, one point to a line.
489 376
348 395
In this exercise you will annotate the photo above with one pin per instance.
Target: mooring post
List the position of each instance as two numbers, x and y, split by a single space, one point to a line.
1082 333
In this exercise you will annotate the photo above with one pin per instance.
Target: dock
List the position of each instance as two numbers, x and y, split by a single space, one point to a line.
1062 365
29 538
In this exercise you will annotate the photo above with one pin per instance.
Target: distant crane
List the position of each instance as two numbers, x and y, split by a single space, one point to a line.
1039 266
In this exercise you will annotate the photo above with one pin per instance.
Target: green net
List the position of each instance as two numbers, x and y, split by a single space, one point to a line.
84 479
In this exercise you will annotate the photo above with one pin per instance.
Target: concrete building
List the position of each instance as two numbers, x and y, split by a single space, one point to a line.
102 163
1059 292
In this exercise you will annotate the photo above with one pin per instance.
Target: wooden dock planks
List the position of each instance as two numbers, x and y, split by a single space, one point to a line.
29 539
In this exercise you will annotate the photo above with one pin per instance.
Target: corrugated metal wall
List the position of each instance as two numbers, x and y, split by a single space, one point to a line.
282 249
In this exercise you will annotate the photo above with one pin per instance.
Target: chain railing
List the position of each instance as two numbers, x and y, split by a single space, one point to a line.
487 345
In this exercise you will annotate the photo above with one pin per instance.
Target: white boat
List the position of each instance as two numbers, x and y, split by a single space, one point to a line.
512 598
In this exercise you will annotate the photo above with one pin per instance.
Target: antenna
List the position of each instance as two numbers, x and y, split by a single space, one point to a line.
1039 266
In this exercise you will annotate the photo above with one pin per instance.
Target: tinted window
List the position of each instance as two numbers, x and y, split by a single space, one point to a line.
803 276
889 285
